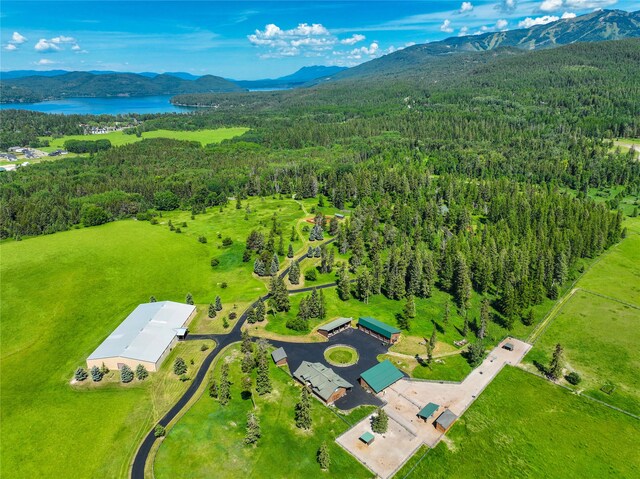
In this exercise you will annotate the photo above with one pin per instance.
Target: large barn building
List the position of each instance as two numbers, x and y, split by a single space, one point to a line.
145 337
326 384
379 330
380 377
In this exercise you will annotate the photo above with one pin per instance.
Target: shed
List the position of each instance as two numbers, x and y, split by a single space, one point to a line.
182 332
378 329
339 216
367 437
380 377
279 357
508 346
334 327
428 411
445 420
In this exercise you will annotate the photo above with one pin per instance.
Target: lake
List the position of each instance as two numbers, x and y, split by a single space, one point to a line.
102 106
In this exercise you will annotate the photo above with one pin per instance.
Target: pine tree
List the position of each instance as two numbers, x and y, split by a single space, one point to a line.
261 310
189 299
303 410
529 319
363 285
484 318
263 381
224 390
279 294
126 374
253 429
294 235
465 328
290 251
380 422
96 374
275 265
248 362
179 367
433 340
152 299
560 269
555 367
281 246
323 457
343 283
294 273
258 267
333 226
80 374
246 344
461 283
447 313
218 303
322 310
212 310
409 307
141 372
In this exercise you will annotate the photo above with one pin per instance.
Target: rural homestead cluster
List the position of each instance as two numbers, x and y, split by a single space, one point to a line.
419 412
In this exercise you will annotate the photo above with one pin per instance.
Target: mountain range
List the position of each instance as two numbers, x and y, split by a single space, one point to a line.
22 86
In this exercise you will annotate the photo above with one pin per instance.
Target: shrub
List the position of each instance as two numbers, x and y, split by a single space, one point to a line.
184 378
298 324
573 378
310 275
224 285
232 315
96 374
141 372
81 374
93 215
159 431
126 374
203 240
179 366
214 262
227 241
204 347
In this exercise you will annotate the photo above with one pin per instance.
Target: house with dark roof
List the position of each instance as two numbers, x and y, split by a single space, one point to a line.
380 377
324 383
334 327
379 330
445 420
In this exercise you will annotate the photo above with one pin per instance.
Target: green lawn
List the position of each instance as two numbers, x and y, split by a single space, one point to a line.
208 439
341 355
524 426
118 138
448 368
62 295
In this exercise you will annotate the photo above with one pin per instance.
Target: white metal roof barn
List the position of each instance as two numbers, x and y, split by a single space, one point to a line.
145 337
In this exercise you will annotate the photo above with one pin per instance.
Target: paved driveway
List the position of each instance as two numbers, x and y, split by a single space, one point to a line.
405 398
368 351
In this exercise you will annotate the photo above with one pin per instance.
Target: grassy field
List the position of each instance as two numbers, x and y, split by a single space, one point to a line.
118 138
209 437
599 326
55 310
447 368
524 426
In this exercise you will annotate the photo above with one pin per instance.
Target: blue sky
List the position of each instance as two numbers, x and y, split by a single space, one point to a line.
249 40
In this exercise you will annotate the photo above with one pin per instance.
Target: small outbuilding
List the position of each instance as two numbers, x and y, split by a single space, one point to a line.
508 346
367 438
445 420
339 216
380 377
379 330
334 327
428 411
279 357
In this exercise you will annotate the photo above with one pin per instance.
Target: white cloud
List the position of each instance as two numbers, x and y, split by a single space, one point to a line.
551 5
371 51
555 5
530 22
10 47
353 39
63 39
45 45
304 39
466 7
76 47
18 39
567 15
446 26
463 31
501 24
44 61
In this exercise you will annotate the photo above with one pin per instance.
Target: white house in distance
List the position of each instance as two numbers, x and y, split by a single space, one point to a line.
145 337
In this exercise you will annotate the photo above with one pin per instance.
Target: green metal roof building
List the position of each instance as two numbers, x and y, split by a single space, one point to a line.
378 329
334 327
428 411
380 377
367 437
